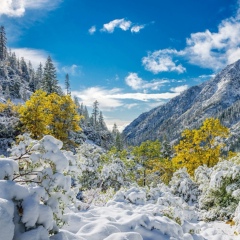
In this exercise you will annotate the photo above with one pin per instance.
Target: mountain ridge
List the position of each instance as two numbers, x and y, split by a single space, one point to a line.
189 109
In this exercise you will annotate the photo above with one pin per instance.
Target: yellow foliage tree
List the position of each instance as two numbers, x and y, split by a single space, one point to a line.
200 146
49 114
9 109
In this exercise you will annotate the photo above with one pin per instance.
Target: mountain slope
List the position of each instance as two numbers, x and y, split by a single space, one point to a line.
218 97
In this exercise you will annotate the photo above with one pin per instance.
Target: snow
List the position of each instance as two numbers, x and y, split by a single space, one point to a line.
47 204
6 219
7 168
125 218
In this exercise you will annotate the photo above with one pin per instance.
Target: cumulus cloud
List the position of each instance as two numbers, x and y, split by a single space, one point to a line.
17 8
117 23
215 49
92 30
212 50
137 83
162 61
73 70
36 56
137 28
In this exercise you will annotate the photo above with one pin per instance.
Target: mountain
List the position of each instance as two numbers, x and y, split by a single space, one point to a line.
219 98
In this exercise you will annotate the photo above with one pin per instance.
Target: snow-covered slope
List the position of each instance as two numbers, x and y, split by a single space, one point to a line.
218 97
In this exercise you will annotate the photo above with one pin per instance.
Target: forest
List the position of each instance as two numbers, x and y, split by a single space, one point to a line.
65 175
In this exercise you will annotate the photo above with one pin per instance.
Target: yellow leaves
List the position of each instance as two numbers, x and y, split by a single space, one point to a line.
49 114
9 108
200 146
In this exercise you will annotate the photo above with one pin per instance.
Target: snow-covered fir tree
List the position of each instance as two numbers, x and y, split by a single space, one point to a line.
49 82
3 44
67 84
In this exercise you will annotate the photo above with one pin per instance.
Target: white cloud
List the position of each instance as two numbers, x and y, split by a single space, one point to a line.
73 70
17 8
212 50
36 56
179 89
110 99
103 96
162 61
92 30
137 28
117 23
137 83
215 49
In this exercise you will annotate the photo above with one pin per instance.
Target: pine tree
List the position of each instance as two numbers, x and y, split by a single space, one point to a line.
101 122
39 76
76 102
3 43
95 114
24 70
50 82
67 84
166 149
86 115
32 76
118 142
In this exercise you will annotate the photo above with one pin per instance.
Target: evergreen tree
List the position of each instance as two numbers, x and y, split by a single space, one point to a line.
166 149
13 61
78 107
39 77
86 115
3 43
24 70
50 82
118 142
101 122
32 76
67 84
95 114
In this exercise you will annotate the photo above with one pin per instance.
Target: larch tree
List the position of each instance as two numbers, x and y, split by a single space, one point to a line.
201 146
33 115
49 114
3 43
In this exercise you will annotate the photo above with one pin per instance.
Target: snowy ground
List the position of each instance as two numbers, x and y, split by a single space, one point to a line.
121 220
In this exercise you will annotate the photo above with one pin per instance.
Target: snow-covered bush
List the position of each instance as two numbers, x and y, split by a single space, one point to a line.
35 187
113 174
183 186
88 160
220 190
160 199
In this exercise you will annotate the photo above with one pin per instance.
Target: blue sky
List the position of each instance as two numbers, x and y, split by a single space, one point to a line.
131 56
